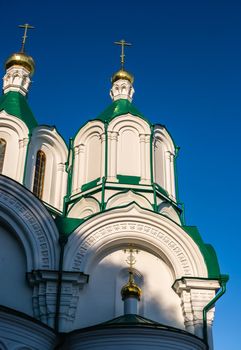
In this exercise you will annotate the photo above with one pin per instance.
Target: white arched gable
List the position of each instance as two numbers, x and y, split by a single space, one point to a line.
16 134
122 199
83 208
89 154
128 142
113 230
163 157
33 226
48 140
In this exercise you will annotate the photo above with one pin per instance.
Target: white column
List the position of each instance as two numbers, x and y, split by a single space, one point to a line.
81 173
60 186
75 173
143 158
21 159
148 160
103 148
113 138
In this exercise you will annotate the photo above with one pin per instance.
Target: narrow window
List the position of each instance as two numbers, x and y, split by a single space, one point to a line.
38 184
3 144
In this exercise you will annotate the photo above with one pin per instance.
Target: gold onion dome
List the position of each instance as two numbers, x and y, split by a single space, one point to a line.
21 59
122 74
131 289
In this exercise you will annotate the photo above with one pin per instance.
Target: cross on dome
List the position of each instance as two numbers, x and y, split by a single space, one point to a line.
122 43
26 26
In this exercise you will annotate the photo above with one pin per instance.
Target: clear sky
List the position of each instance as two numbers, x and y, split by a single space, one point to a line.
186 59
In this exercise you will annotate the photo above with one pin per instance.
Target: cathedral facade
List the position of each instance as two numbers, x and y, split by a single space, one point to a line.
94 250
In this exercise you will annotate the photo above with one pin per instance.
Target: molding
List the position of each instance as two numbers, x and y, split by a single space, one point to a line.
152 232
30 221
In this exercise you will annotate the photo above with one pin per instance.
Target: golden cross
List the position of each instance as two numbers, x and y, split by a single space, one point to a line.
123 43
131 260
26 26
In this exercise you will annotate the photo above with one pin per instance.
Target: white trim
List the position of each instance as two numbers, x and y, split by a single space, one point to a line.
29 220
114 229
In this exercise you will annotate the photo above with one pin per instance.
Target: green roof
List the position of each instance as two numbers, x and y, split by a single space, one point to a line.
67 225
120 107
131 319
207 251
14 103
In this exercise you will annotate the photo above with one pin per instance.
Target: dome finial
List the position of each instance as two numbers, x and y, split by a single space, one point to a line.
26 26
19 68
131 292
122 43
122 80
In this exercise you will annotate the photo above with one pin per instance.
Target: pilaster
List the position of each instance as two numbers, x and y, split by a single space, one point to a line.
195 294
45 286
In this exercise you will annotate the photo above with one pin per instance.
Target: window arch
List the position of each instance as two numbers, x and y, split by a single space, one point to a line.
3 144
38 184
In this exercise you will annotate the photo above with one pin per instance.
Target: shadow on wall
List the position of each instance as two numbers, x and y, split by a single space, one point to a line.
103 294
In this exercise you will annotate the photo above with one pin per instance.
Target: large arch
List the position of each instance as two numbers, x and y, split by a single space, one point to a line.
29 220
149 231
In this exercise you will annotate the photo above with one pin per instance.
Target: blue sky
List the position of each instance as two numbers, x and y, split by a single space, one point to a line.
186 59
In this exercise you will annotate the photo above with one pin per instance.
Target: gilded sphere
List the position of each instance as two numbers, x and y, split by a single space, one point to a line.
130 290
21 59
122 74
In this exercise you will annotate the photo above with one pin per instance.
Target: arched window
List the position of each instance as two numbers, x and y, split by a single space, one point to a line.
38 184
3 144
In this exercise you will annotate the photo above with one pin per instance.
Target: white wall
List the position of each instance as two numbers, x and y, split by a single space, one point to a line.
14 292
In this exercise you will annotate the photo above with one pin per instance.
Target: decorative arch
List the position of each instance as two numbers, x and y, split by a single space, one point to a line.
157 234
83 208
29 220
124 198
89 154
47 140
129 142
16 134
164 153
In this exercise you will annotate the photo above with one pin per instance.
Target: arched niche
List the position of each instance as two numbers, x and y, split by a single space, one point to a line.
89 155
129 147
84 208
47 140
128 154
15 132
163 165
24 215
109 273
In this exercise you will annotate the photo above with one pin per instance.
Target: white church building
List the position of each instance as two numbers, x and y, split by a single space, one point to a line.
94 250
